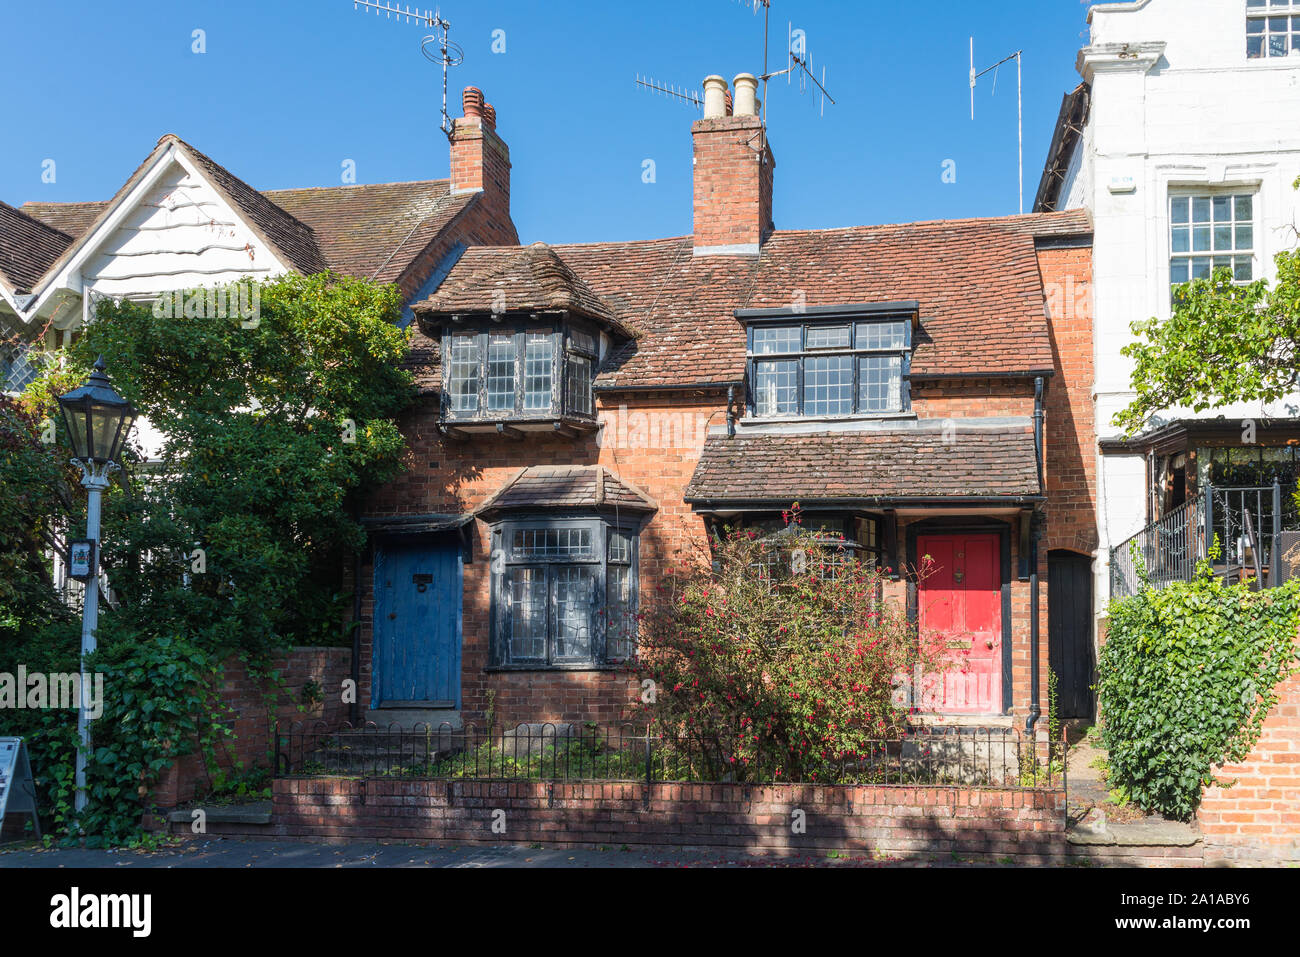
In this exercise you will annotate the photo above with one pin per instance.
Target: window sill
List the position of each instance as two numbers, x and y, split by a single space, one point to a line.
518 428
500 669
823 419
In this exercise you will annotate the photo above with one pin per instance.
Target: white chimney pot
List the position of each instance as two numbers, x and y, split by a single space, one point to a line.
715 97
746 99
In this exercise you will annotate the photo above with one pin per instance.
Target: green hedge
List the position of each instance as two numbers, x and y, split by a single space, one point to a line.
1186 677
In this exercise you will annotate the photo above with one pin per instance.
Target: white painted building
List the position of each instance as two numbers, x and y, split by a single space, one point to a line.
1183 141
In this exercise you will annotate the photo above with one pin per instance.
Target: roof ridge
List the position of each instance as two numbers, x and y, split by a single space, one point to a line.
343 186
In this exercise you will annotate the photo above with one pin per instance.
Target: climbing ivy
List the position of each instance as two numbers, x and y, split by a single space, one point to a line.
1187 676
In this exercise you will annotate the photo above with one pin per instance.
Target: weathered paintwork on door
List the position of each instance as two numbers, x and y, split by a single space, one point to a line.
417 625
961 602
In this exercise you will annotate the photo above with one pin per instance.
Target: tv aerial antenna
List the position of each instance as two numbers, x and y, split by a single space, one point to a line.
435 46
799 63
1020 104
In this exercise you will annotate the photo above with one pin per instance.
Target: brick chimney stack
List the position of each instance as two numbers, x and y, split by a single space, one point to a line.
733 171
480 159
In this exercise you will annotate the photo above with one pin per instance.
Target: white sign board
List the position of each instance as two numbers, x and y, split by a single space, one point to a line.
17 789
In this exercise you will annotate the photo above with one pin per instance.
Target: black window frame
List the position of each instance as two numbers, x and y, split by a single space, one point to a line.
505 562
563 346
855 351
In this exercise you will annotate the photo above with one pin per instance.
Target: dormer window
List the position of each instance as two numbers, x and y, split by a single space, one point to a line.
519 373
830 368
1272 28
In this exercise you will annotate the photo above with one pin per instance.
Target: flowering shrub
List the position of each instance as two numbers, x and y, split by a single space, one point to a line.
776 659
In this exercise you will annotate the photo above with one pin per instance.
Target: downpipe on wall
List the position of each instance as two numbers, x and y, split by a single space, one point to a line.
1035 712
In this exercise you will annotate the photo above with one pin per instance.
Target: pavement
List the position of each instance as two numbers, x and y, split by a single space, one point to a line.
234 852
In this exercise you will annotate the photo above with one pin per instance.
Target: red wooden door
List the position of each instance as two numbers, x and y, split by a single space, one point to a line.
961 603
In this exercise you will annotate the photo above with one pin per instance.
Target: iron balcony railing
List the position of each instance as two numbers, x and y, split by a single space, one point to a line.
1167 551
953 756
1238 527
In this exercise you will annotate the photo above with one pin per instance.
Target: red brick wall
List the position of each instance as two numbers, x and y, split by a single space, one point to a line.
245 710
902 822
1070 429
653 442
1258 818
480 160
733 191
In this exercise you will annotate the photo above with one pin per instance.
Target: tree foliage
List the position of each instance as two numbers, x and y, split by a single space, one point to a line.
1223 343
777 659
230 540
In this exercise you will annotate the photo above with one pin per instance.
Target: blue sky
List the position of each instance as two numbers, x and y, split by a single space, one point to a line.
287 91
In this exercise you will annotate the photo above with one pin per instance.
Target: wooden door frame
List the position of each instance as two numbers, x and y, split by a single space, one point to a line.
452 539
950 525
1090 634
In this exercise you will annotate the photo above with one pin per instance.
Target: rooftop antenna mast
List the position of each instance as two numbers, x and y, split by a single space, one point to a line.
435 47
1020 104
799 62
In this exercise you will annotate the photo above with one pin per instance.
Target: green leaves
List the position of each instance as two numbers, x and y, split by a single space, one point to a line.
1186 679
230 544
1224 343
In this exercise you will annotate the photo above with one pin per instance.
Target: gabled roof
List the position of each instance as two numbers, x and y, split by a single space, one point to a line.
374 231
293 241
27 249
520 279
568 486
973 462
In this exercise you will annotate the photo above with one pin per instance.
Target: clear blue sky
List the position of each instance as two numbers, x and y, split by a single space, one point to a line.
289 89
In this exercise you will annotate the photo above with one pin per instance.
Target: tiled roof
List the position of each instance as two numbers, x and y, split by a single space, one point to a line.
71 218
27 249
901 464
370 231
374 231
522 279
977 282
292 239
568 486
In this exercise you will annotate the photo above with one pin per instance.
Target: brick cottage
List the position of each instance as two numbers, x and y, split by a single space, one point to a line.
590 414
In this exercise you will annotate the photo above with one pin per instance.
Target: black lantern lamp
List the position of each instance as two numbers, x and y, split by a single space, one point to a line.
98 419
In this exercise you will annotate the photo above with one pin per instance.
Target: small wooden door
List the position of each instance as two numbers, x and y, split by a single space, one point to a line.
1069 633
961 604
417 624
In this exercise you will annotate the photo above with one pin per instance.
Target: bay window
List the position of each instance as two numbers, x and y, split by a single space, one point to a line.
564 593
503 373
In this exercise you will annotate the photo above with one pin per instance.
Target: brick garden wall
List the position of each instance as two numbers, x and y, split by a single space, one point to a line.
1258 818
1025 826
245 711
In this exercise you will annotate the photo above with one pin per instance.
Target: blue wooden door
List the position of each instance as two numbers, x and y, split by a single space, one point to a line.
417 623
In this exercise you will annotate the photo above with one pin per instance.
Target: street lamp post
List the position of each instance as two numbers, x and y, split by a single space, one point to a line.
98 420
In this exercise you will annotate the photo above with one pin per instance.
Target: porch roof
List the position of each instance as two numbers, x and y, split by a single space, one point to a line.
568 486
970 462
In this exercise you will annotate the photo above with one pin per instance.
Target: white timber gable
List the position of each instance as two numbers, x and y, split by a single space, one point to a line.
181 234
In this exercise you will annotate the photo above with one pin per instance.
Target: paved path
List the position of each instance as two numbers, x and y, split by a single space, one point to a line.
232 852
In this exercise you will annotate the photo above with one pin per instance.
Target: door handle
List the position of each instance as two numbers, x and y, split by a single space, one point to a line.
392 616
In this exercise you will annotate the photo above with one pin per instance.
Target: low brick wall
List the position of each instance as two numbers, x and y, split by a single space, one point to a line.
245 711
1258 817
1027 827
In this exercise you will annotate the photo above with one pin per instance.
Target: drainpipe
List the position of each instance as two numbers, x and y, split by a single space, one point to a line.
354 709
1038 428
731 411
1035 712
